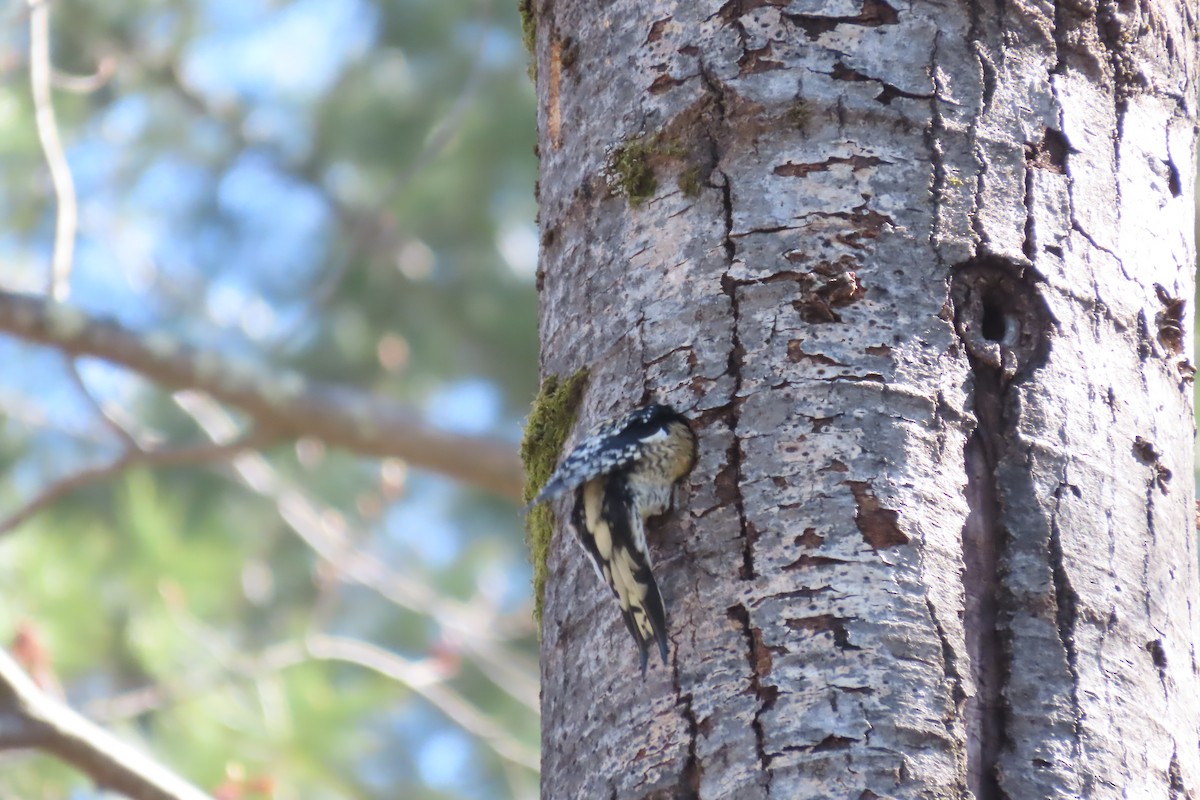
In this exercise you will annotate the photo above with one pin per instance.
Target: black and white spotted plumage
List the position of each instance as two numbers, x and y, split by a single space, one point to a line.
623 473
613 534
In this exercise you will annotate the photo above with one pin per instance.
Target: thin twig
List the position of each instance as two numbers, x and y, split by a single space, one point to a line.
423 678
170 457
198 680
85 84
67 216
102 414
29 718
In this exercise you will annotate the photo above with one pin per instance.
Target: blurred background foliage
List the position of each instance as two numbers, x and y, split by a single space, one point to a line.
342 187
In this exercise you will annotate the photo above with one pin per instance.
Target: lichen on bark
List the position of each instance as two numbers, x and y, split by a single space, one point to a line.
550 422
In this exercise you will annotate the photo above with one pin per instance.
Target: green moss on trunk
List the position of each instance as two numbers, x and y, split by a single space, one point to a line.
550 423
630 167
529 34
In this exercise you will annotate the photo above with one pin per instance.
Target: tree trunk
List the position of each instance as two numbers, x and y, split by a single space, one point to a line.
919 272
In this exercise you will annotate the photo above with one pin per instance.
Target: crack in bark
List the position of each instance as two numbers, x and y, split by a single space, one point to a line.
1119 108
729 286
692 770
1077 227
760 664
1112 27
888 92
1153 534
873 14
1066 614
734 456
937 127
949 662
1175 790
988 73
1027 245
984 538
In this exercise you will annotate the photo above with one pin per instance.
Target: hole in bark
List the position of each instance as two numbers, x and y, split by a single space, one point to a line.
833 742
1000 316
1157 654
1173 181
1050 153
993 325
1146 452
1170 320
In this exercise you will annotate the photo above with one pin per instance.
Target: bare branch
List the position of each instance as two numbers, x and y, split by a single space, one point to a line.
426 677
85 84
29 718
474 626
67 217
167 457
423 679
196 682
101 413
283 401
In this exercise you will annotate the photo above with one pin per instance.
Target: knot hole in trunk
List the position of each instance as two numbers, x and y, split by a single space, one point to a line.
1000 315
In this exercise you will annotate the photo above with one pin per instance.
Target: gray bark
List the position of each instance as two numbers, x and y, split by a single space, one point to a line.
920 272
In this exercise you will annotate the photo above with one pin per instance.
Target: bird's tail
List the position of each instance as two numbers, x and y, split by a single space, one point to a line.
645 615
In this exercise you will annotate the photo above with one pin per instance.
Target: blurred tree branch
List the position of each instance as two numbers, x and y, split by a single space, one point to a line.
281 401
133 457
474 626
425 678
425 681
29 718
67 216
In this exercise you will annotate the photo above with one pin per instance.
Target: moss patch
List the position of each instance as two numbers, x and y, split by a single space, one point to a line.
529 34
550 422
630 166
799 114
689 182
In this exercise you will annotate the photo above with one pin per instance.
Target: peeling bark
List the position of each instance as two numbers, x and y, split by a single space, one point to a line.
917 272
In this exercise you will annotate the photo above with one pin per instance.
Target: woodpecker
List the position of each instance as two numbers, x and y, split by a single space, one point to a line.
623 473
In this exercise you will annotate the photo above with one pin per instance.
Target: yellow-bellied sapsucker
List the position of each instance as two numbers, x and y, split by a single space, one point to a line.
623 473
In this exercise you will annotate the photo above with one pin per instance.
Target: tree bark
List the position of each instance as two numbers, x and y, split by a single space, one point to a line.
920 274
